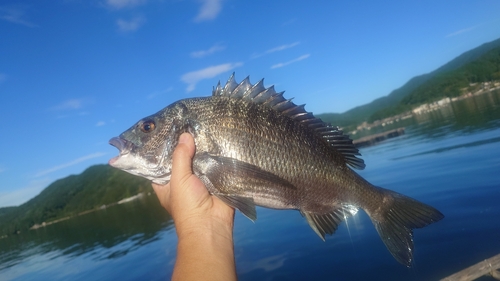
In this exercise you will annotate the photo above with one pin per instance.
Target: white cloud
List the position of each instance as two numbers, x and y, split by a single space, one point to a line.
15 15
460 32
209 10
100 123
282 47
276 49
192 78
203 53
290 62
69 105
120 4
21 195
69 164
130 25
158 93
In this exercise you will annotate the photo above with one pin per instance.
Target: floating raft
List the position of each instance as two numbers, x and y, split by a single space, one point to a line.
487 267
373 139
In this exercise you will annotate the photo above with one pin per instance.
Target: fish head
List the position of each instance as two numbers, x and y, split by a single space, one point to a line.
146 148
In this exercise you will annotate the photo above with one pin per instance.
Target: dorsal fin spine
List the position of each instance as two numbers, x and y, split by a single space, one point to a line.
274 99
254 90
268 97
230 85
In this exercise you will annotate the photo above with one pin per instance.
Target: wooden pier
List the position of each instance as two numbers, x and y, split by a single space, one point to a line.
487 267
376 138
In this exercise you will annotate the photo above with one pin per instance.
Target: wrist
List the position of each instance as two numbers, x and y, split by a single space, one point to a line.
205 251
201 227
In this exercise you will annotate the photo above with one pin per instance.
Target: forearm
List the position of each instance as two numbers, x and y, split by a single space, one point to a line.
205 252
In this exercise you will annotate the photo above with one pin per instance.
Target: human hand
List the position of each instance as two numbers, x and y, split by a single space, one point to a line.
204 224
186 198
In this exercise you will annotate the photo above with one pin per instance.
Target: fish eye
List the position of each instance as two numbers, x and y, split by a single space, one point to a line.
147 126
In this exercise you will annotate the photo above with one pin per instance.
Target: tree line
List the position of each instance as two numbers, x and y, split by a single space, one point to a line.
449 84
97 186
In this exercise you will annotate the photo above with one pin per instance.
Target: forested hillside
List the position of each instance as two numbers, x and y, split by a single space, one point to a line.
466 78
98 185
357 115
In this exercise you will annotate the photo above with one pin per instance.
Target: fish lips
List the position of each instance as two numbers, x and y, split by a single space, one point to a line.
123 146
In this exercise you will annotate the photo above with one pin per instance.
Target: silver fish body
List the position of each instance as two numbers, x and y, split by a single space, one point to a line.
253 147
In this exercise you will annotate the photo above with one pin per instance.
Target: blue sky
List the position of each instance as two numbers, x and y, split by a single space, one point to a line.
74 73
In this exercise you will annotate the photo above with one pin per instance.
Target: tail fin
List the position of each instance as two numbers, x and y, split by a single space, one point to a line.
396 219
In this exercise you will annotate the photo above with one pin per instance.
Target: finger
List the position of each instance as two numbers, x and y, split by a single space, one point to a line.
182 158
160 190
163 194
156 186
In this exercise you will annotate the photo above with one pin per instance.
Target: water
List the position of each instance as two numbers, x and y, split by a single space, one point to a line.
448 158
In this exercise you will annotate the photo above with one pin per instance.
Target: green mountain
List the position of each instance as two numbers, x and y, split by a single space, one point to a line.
96 186
468 78
362 113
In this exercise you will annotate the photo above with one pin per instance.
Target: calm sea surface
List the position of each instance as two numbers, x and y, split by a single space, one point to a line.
449 158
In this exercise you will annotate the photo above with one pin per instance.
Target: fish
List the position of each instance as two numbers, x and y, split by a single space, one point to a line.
256 148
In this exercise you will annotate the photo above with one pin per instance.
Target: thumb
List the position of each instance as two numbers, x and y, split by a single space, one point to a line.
182 158
187 192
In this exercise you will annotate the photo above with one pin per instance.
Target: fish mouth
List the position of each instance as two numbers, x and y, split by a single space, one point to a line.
123 146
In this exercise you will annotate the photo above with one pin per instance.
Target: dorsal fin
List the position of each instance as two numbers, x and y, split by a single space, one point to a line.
258 94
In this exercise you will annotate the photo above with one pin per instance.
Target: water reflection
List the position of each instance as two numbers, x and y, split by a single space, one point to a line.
131 225
267 264
465 116
452 147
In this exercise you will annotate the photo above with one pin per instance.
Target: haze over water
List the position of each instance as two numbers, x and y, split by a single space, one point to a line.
448 158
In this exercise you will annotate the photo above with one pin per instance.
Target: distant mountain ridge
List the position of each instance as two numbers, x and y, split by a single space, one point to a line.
96 186
363 112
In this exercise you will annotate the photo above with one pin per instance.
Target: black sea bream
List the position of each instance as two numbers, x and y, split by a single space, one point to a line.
253 147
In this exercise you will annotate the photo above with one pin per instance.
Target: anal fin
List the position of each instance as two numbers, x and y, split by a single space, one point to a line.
328 223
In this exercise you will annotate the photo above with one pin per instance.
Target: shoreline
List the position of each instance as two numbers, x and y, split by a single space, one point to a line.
102 207
487 87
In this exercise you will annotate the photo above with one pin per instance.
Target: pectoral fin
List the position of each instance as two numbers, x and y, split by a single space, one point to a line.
244 204
236 182
247 172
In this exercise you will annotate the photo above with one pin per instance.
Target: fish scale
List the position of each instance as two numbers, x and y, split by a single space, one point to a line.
254 147
282 138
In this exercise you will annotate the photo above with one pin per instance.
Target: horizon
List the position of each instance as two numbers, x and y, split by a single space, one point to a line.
74 74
